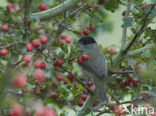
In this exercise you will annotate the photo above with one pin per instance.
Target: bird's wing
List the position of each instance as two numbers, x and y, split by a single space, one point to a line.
96 65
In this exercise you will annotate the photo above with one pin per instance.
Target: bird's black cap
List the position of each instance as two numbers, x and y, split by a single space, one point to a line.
87 40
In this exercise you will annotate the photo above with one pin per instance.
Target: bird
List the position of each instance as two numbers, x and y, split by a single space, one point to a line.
96 66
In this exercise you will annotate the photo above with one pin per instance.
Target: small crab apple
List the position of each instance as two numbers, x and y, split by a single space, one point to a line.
42 65
35 43
70 78
85 57
45 111
80 103
89 83
43 39
100 2
86 31
91 27
29 47
59 77
117 110
53 95
39 75
135 83
127 83
121 84
4 28
111 50
79 61
37 64
42 7
54 83
59 62
63 36
20 81
144 6
84 97
3 52
154 114
68 40
27 58
16 110
95 104
9 7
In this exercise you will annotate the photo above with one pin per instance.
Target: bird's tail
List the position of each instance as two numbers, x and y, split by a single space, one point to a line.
100 89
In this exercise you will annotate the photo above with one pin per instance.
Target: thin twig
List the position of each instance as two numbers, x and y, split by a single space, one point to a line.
78 81
141 30
12 44
122 72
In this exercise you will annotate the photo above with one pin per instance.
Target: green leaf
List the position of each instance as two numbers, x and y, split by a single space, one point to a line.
128 21
64 49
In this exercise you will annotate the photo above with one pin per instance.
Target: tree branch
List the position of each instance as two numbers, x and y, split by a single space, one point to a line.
54 11
141 30
123 52
12 44
124 32
78 81
137 51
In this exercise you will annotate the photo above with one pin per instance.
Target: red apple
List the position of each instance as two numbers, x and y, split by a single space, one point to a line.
43 39
36 43
42 7
27 58
89 83
70 78
111 50
86 31
117 110
121 84
4 28
9 7
59 62
68 40
16 110
59 77
39 75
85 57
80 103
53 95
20 81
91 27
37 64
100 2
63 36
29 47
135 83
42 65
79 61
3 52
84 97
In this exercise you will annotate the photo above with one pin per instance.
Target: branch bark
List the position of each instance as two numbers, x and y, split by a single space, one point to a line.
137 51
54 11
124 32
